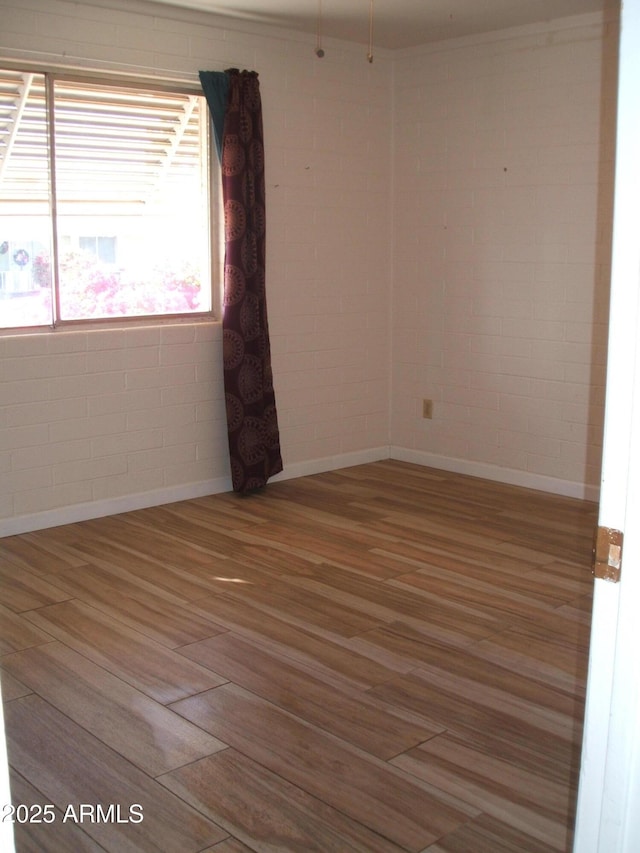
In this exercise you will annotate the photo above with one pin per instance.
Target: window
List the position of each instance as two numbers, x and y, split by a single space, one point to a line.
105 202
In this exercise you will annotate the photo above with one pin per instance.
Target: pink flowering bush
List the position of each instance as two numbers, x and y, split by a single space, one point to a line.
90 289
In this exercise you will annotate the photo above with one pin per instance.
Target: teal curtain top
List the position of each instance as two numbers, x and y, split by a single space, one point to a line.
215 85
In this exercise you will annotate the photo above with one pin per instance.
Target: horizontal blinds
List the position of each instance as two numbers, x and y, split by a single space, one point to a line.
24 159
112 143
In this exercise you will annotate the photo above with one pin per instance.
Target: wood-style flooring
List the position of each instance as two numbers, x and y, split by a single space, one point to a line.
383 658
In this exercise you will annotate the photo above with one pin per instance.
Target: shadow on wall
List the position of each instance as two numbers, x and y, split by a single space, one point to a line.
603 249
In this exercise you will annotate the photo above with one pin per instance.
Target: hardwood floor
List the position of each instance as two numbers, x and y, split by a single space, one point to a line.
384 658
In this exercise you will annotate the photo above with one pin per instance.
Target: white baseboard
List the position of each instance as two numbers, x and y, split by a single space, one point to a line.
111 506
509 476
332 463
126 503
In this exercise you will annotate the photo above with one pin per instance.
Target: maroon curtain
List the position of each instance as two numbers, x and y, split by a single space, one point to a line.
252 421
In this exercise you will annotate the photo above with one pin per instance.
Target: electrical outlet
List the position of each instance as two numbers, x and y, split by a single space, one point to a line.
427 408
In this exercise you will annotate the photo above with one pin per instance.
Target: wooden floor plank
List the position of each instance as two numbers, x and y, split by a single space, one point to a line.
149 735
544 659
299 643
134 567
57 836
229 845
39 552
26 591
381 658
151 668
530 803
467 663
303 608
493 720
333 706
443 619
17 633
137 604
393 806
268 812
70 767
487 834
11 687
534 589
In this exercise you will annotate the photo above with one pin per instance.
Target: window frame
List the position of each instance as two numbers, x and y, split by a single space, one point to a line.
215 231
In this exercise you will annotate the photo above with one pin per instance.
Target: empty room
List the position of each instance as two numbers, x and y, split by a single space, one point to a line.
320 579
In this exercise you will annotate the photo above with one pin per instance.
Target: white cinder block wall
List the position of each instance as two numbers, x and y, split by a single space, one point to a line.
504 175
454 199
100 421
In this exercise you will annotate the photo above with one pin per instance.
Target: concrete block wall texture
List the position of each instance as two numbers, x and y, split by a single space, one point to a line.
503 171
403 262
99 421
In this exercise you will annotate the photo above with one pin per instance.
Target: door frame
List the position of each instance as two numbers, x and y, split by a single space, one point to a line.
608 817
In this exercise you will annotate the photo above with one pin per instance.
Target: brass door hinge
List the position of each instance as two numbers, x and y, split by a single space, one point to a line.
607 554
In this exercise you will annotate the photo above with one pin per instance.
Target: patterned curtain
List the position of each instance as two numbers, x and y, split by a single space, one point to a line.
252 421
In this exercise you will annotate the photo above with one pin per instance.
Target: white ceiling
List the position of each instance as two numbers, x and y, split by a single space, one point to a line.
397 23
